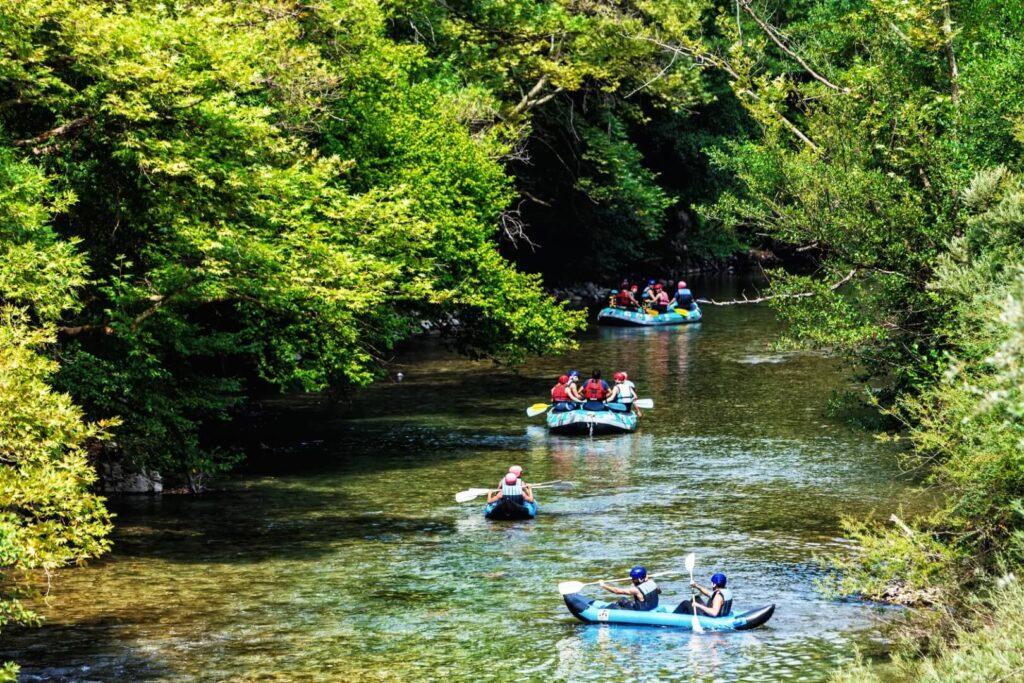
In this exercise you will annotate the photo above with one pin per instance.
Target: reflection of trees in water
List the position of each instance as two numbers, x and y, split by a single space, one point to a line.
571 457
657 359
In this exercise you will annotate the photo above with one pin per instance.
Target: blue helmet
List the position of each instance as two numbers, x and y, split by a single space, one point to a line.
639 573
650 282
718 579
573 373
615 291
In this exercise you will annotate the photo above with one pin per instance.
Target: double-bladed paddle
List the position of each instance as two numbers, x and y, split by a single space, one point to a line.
470 494
538 408
567 587
691 560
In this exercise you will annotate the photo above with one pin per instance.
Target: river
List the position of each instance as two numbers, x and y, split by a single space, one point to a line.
346 558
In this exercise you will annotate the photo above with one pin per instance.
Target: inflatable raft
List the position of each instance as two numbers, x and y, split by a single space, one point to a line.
504 510
593 612
622 317
590 422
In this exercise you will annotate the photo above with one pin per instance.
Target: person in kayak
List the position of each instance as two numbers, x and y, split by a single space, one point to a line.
623 392
642 595
560 396
684 298
513 490
718 599
595 391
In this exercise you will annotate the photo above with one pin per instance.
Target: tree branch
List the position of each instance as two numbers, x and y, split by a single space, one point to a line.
760 299
777 38
954 72
64 129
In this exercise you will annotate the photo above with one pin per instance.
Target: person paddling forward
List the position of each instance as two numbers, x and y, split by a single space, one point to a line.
512 489
719 598
642 595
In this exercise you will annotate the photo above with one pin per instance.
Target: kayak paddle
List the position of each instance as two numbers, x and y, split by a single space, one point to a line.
537 409
470 494
567 587
644 403
691 560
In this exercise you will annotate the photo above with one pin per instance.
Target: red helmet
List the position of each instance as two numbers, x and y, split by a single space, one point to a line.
618 376
516 470
657 286
682 285
624 376
563 379
633 288
510 478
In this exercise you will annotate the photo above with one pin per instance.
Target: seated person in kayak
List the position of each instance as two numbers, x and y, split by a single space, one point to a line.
595 391
718 600
560 396
684 298
513 490
642 595
624 392
648 293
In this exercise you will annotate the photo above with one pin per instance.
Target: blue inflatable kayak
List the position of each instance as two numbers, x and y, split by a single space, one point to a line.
593 612
590 422
623 317
500 509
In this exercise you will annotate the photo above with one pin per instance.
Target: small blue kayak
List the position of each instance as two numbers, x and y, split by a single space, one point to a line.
593 612
590 422
625 318
501 509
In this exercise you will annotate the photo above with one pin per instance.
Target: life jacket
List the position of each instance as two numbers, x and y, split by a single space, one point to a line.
624 298
627 392
650 591
726 598
559 394
512 493
594 390
661 298
684 298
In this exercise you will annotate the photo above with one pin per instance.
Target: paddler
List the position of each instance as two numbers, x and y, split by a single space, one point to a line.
512 490
661 299
573 387
595 391
684 297
718 602
560 397
642 595
623 392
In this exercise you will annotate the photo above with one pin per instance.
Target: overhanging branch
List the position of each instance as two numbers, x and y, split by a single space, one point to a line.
794 295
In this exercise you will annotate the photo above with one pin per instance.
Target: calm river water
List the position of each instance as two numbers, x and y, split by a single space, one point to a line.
346 557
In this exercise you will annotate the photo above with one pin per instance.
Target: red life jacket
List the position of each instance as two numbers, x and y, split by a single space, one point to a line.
559 393
593 390
623 298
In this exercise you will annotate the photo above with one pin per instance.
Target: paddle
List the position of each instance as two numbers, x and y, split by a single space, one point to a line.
537 409
691 560
644 403
567 587
470 494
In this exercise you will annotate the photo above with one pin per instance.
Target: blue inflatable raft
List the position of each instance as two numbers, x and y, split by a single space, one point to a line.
590 422
501 509
622 317
593 612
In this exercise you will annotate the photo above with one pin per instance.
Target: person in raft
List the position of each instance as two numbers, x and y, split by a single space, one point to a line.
595 391
573 387
642 595
684 298
624 298
623 392
560 396
661 299
717 602
512 490
648 292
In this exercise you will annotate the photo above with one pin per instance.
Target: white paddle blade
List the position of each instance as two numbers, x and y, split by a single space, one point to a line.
470 494
695 623
537 409
690 561
567 587
646 403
